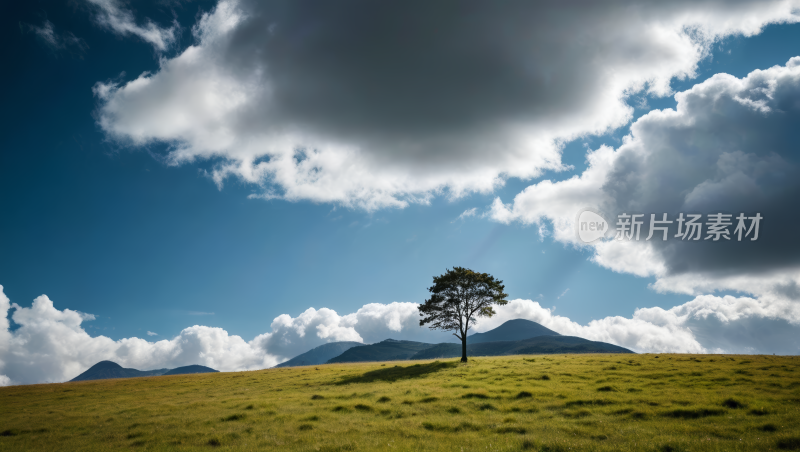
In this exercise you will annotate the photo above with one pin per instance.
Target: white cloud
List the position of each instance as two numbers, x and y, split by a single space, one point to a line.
113 15
51 346
562 294
373 322
707 324
730 146
150 333
5 335
276 111
466 214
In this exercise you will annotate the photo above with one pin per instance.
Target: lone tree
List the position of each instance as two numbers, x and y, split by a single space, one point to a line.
457 298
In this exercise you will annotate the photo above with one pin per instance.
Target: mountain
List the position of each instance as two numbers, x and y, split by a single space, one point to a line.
388 350
541 345
193 369
515 337
108 369
513 330
320 355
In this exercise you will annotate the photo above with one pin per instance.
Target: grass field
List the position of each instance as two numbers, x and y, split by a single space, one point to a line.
537 403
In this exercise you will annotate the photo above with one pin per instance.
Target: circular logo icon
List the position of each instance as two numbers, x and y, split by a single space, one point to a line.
590 225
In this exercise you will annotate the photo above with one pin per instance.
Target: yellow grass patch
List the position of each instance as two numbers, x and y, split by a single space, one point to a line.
550 403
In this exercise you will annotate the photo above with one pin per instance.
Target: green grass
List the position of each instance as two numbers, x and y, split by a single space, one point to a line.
587 402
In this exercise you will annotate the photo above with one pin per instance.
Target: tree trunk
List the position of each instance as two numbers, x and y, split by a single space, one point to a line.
464 349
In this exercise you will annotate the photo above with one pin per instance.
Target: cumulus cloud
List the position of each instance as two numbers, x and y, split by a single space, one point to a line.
113 15
5 335
373 322
51 346
707 324
729 147
150 333
309 100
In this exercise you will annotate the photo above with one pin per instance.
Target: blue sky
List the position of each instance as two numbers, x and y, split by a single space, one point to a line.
105 225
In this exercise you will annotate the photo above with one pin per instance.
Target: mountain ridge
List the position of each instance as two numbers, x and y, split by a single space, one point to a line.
521 337
321 354
385 350
105 370
512 330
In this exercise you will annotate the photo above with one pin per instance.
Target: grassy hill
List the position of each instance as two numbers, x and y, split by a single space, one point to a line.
512 403
536 345
193 369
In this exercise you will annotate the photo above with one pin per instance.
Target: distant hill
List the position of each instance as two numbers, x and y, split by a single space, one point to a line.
515 337
320 355
513 330
388 350
540 345
109 369
193 369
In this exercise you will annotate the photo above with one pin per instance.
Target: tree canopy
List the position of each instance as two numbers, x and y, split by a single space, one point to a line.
458 298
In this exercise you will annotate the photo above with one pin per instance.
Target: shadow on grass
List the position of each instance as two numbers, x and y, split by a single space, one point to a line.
462 427
789 443
233 417
733 404
397 373
694 414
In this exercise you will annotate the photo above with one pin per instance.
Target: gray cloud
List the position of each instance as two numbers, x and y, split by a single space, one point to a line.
730 147
378 105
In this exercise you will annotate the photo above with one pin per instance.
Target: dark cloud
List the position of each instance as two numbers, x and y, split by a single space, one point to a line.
724 156
729 148
428 73
395 101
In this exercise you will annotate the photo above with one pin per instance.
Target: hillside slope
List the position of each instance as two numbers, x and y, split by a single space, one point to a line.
602 403
540 345
320 355
193 369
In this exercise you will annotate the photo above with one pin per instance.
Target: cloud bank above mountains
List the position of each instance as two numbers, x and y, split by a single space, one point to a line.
49 345
373 105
